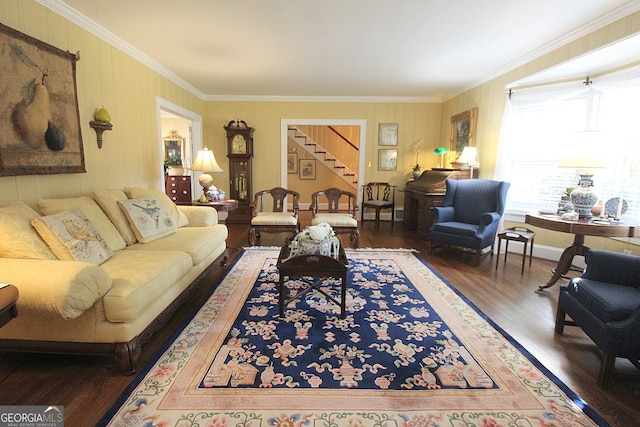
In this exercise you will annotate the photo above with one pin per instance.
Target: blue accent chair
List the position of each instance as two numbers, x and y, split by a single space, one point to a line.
605 303
469 216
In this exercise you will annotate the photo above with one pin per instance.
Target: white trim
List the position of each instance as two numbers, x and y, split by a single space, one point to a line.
284 124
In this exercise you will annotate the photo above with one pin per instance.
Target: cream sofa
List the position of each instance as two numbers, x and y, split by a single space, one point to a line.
110 303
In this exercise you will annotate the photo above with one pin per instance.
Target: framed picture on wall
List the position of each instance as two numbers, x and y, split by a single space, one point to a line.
388 134
387 159
463 130
307 169
292 163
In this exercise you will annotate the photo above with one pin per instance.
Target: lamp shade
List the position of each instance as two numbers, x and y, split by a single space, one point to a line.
584 150
440 150
206 162
469 156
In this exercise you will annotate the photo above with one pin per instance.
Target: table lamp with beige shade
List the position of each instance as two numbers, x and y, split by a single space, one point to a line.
206 162
584 152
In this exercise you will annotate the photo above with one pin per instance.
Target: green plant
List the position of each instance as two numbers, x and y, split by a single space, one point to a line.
568 191
172 161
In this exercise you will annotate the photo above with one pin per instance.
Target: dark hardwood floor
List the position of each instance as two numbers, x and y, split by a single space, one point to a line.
88 386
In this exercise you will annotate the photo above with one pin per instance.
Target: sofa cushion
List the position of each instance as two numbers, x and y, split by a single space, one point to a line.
139 278
148 218
198 242
19 239
71 236
92 211
608 301
178 217
335 219
108 201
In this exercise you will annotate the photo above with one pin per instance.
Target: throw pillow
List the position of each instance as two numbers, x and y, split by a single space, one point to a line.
148 218
71 236
91 210
178 217
108 201
19 239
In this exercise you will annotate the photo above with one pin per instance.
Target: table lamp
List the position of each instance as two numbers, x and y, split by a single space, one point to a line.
469 158
582 153
441 151
206 162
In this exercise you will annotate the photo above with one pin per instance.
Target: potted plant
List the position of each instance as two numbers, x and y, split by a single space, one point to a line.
173 166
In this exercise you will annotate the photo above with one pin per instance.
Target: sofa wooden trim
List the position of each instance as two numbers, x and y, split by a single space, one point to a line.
126 354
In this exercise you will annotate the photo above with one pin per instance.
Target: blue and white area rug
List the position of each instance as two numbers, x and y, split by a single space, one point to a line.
410 352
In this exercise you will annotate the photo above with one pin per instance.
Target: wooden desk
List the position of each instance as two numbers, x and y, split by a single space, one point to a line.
220 205
579 229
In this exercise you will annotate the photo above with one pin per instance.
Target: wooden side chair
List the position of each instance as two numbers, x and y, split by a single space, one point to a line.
343 218
283 216
378 196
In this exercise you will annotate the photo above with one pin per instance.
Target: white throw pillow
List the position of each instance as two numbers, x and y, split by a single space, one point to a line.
148 218
71 236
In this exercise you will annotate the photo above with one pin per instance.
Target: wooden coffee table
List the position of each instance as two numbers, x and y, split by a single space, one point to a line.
312 268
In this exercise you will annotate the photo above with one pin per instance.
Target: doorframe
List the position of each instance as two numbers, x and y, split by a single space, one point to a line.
362 124
194 142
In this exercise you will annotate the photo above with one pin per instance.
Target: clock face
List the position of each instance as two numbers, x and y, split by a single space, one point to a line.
238 145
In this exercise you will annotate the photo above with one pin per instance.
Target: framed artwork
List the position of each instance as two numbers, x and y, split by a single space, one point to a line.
292 163
388 134
174 148
40 131
387 159
463 130
307 169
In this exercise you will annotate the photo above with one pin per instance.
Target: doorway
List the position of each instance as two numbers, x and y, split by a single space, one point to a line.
286 123
172 117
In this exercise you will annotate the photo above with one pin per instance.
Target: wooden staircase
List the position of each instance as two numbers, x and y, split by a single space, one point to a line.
319 152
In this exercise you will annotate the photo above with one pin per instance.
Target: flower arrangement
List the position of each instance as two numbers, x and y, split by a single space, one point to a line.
315 239
417 147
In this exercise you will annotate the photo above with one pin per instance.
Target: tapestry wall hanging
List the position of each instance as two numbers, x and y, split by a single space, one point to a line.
40 130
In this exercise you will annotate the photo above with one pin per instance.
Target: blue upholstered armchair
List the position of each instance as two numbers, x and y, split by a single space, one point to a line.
470 215
605 303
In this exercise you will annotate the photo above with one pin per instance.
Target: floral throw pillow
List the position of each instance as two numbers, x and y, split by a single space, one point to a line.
71 236
148 219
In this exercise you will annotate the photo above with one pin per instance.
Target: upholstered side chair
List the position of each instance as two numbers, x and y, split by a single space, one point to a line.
470 215
280 217
338 209
605 303
378 196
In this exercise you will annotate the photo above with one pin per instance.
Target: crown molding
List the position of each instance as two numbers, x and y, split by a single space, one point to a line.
368 99
603 20
64 10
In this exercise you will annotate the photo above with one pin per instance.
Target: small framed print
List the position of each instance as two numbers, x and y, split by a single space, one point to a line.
292 163
388 134
387 159
307 169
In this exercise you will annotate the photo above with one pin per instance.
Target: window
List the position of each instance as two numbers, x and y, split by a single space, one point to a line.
537 126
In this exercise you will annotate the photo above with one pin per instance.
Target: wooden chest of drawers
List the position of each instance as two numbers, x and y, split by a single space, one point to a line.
178 188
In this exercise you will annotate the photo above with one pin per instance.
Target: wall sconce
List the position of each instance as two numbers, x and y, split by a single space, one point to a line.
101 122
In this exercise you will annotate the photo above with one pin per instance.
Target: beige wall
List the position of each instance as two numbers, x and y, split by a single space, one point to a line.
106 77
490 100
128 89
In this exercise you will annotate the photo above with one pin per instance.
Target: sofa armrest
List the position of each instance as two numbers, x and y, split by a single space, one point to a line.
67 288
612 267
200 216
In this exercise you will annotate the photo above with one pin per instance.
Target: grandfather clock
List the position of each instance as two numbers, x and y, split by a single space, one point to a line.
240 153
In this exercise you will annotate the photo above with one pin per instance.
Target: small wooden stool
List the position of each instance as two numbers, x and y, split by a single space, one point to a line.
517 234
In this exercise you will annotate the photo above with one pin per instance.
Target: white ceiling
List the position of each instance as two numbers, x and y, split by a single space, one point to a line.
427 50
